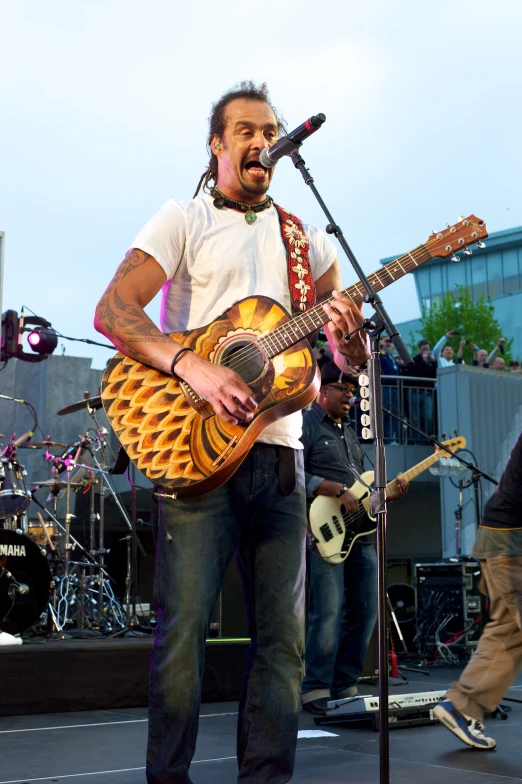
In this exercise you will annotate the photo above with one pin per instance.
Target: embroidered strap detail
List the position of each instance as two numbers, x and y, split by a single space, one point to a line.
300 280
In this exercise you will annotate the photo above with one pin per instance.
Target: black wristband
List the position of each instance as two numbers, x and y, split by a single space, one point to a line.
175 359
343 489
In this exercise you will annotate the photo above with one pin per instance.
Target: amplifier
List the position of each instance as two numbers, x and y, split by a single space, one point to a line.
449 605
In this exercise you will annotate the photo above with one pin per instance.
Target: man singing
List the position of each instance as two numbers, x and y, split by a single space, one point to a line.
205 254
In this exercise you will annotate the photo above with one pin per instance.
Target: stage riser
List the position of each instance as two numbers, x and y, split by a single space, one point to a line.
100 675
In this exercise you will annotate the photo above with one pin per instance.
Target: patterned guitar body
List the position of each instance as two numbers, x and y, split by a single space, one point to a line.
173 436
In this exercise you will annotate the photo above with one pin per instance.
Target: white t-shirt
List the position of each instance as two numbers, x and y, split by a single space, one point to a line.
212 258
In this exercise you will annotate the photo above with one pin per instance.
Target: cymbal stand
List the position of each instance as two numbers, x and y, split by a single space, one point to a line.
131 580
65 592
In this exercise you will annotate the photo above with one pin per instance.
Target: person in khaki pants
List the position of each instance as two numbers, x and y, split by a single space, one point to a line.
498 658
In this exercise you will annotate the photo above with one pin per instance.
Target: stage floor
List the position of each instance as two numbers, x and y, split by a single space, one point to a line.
108 747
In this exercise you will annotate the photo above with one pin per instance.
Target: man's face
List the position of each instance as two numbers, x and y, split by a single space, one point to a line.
335 399
514 368
447 352
499 363
250 126
482 356
386 344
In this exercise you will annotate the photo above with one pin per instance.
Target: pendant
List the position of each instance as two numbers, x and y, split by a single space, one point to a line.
250 216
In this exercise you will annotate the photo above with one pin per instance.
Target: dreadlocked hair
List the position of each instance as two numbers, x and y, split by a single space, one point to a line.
216 123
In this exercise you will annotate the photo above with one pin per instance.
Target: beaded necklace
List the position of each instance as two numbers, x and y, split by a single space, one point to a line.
220 201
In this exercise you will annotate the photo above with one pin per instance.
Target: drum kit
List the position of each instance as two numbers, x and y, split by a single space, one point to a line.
50 583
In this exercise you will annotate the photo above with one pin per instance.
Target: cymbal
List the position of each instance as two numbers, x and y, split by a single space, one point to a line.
55 484
42 445
90 402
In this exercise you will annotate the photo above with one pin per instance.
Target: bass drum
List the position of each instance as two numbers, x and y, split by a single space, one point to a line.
25 582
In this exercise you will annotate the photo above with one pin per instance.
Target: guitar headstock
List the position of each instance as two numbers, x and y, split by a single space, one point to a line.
459 442
457 237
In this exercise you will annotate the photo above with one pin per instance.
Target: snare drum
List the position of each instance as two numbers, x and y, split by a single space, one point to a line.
14 498
22 558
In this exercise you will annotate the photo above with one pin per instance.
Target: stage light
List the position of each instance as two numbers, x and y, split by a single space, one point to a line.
43 340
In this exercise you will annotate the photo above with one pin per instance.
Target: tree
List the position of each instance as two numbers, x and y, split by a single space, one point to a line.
474 320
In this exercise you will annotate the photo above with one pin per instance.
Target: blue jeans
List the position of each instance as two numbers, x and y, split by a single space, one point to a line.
197 538
342 610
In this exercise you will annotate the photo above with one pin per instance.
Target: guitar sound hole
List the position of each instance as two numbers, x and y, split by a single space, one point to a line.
246 359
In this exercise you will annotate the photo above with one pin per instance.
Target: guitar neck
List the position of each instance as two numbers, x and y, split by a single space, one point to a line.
301 326
420 467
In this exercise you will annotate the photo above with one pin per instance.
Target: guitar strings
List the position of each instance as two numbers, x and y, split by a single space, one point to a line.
246 354
241 357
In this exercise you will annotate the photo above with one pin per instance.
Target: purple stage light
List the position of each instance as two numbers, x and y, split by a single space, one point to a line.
34 338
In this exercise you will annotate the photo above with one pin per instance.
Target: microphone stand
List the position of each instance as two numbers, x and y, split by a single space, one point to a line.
379 322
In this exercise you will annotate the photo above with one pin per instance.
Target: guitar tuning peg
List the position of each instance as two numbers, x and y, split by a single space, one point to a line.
468 251
443 436
481 244
455 258
461 217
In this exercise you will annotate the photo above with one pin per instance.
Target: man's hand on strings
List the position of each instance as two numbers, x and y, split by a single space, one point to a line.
345 317
220 386
398 489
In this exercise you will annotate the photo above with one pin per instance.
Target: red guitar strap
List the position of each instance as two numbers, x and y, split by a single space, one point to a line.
300 280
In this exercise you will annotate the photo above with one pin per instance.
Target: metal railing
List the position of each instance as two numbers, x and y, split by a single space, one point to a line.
410 397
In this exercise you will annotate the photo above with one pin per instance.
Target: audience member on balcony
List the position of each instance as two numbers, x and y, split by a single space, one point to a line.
390 364
514 366
482 358
499 363
444 354
424 362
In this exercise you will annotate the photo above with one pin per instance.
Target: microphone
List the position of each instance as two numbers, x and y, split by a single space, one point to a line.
287 144
16 588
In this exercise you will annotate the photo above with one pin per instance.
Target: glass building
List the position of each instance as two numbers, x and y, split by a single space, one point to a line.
495 271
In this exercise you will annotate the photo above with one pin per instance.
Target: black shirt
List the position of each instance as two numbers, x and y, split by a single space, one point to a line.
504 508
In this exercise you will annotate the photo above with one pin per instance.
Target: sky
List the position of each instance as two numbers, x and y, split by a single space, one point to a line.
104 111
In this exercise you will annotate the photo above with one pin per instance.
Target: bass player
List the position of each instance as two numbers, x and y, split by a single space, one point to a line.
342 603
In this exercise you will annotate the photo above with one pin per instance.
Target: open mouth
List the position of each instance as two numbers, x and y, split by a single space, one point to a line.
255 169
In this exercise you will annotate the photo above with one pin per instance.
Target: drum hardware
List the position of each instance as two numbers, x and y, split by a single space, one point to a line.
45 532
47 444
75 597
91 404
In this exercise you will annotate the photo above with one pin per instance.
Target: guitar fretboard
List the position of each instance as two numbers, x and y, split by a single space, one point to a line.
428 461
303 325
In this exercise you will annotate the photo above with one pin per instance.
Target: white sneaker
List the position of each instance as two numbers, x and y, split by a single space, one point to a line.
467 729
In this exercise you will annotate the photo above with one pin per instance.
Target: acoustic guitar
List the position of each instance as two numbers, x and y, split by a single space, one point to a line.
174 437
335 530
